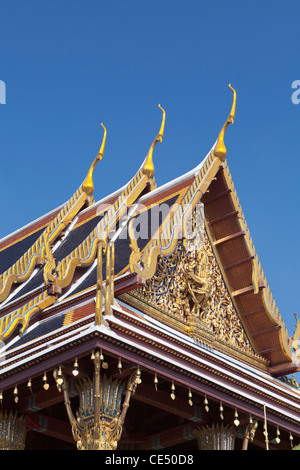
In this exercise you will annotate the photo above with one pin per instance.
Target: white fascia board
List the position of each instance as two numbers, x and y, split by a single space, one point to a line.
206 362
209 350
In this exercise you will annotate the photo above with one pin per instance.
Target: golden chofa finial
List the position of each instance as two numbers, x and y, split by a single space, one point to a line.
148 167
88 185
220 149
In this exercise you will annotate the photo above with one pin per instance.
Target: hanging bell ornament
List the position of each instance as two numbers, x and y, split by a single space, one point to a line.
59 379
173 391
236 420
45 385
104 363
120 365
155 382
75 370
206 404
221 409
29 385
138 373
16 399
277 438
190 398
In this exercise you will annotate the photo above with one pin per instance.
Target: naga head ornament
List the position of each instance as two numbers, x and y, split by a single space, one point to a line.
88 185
220 149
148 167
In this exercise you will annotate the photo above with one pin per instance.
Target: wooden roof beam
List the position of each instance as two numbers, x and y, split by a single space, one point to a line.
43 399
52 427
254 312
223 217
266 331
171 437
218 196
245 290
229 238
284 369
239 262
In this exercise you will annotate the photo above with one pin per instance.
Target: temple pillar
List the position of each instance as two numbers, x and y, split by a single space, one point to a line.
216 437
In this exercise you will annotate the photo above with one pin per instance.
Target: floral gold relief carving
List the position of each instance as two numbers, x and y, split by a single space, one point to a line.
189 288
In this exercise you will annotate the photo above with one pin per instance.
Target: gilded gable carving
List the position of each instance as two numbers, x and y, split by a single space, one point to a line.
188 287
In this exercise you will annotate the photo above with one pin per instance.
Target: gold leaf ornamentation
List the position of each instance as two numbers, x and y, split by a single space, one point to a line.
188 287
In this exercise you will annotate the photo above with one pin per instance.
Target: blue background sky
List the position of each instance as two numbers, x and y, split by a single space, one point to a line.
69 65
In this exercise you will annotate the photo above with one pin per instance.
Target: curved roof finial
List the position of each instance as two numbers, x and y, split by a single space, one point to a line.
220 149
148 167
88 185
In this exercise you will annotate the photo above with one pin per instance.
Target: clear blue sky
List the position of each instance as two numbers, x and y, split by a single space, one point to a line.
69 65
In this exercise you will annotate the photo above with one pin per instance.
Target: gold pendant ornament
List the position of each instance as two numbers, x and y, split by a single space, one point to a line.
173 396
206 404
190 397
236 416
45 385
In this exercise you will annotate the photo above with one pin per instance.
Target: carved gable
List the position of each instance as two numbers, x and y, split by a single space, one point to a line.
189 292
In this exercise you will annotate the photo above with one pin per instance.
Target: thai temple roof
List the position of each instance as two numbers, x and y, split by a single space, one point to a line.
53 271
